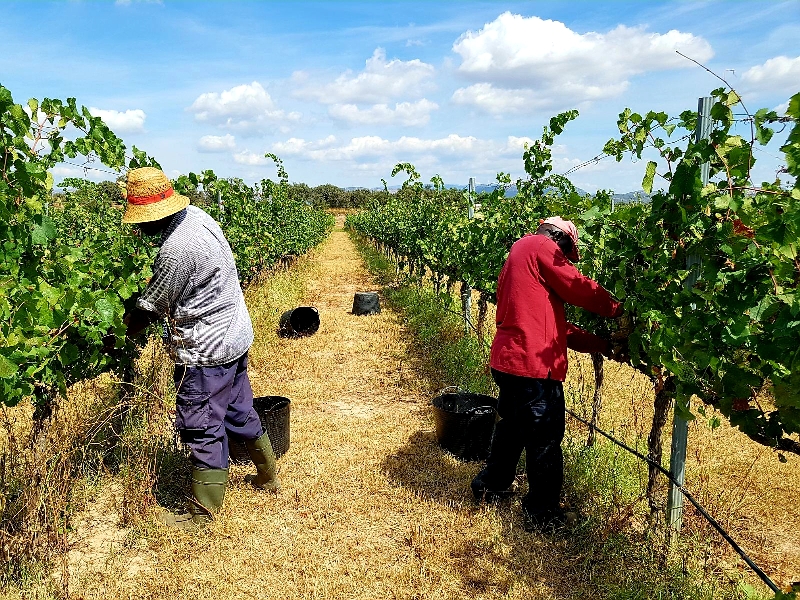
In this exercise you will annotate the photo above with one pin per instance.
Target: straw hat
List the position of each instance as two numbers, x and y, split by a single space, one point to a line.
150 196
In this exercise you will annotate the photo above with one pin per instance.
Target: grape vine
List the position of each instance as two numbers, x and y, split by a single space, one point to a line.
69 269
708 274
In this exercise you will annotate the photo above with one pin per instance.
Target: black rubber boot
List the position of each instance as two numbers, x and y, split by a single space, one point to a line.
482 494
260 451
549 522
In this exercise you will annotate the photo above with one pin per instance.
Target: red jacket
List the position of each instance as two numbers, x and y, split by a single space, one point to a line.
532 333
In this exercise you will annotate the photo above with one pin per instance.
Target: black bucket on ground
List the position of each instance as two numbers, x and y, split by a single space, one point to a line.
300 321
465 423
366 303
273 411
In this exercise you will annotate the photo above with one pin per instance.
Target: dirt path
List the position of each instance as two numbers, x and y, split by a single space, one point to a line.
370 508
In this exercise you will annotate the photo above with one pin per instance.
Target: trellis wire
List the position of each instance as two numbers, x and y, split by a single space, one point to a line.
679 486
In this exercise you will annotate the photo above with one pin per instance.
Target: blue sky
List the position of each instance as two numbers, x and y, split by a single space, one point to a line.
342 91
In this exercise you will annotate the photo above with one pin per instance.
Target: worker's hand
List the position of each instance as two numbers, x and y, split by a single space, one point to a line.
109 342
137 321
618 350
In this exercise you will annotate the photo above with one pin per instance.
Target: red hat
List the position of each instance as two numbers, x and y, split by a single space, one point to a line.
569 228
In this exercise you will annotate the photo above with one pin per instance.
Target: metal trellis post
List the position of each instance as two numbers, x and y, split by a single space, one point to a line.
680 426
466 289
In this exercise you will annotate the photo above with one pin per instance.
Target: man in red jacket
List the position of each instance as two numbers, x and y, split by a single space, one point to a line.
529 365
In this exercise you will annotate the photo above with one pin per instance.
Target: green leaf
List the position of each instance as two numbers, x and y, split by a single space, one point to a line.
794 106
127 289
732 98
106 310
682 409
18 114
69 354
649 176
7 368
43 232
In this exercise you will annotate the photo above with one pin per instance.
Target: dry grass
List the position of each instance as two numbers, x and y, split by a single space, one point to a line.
50 468
370 507
742 484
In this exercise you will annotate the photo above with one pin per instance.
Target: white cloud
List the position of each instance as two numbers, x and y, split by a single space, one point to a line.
403 113
243 108
245 157
379 82
404 148
779 74
520 60
60 171
130 121
216 143
500 101
782 108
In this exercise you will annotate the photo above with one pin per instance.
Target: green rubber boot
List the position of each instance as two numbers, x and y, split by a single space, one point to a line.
208 493
260 451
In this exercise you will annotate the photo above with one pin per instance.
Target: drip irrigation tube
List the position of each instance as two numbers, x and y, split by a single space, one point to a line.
690 498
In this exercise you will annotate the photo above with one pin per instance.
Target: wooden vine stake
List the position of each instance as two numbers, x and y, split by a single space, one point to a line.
664 391
597 399
483 310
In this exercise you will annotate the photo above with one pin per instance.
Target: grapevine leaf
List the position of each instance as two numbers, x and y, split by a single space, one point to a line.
649 176
106 309
682 409
43 232
7 368
69 354
732 98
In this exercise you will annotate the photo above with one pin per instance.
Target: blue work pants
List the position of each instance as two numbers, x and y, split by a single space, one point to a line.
213 403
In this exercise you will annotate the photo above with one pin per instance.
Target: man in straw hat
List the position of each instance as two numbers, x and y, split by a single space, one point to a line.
529 364
195 287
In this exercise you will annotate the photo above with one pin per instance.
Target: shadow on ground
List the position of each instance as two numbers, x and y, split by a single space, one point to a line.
172 478
488 564
427 469
596 559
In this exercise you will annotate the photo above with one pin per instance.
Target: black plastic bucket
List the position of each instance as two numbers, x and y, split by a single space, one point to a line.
465 423
300 321
366 303
273 411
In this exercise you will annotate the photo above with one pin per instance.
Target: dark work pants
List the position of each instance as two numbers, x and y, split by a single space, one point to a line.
212 403
531 417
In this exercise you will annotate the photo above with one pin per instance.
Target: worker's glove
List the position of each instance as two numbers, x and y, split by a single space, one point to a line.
136 322
110 344
618 340
618 350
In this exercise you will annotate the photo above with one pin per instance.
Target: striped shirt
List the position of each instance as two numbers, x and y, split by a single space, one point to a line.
195 287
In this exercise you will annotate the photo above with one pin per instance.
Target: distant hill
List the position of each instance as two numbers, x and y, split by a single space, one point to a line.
511 191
